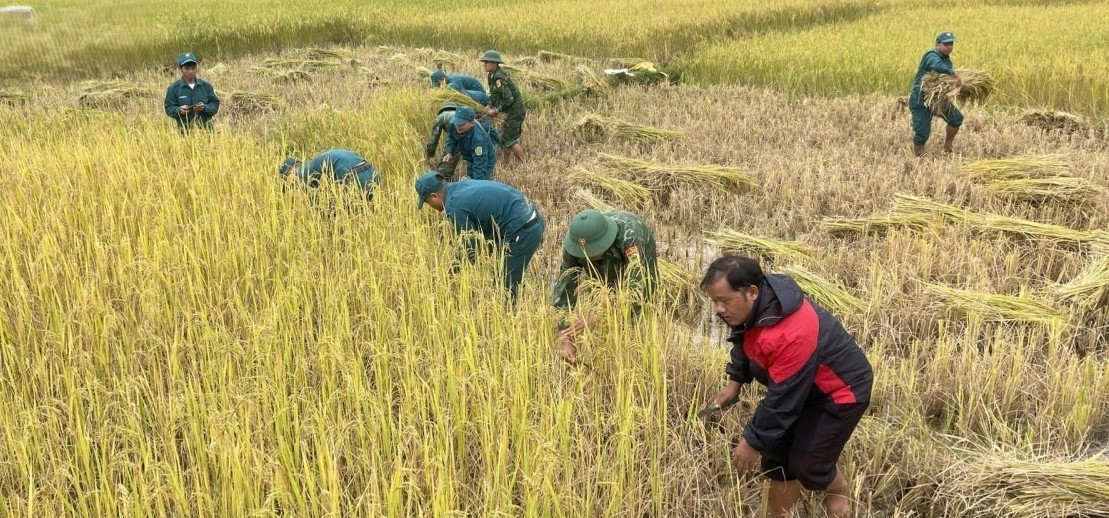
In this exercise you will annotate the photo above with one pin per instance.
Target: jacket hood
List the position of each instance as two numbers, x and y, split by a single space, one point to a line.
779 296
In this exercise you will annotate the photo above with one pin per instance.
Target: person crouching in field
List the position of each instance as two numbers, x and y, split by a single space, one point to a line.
818 383
937 59
473 141
462 83
344 166
190 100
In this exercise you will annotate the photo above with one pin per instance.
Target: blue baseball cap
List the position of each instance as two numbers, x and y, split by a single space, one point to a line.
945 37
427 184
462 114
287 164
185 58
437 76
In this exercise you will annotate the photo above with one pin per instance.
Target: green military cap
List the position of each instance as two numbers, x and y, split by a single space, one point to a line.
447 105
491 56
945 37
590 234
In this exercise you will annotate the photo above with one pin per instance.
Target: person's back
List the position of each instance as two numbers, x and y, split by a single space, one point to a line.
493 208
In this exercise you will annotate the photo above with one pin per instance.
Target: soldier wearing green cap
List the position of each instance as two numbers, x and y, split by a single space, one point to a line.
505 97
500 213
473 142
190 100
613 245
936 59
342 165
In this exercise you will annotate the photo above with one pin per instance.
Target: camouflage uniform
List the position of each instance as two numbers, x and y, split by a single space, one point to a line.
505 97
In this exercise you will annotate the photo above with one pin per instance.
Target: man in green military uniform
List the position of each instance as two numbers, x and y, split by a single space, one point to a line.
937 59
505 97
190 100
612 246
500 213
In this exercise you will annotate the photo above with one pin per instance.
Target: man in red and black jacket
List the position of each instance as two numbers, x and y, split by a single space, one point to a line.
818 382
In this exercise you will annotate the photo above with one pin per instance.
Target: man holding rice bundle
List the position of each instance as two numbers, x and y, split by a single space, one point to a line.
462 83
500 213
342 165
818 383
614 245
505 97
474 141
936 59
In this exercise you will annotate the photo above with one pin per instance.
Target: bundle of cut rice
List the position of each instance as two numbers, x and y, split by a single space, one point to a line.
1030 166
708 175
1001 484
322 54
938 91
595 127
997 308
992 222
1064 189
1051 120
828 294
877 224
14 97
629 194
1090 289
541 80
252 103
592 200
450 94
108 94
292 75
728 239
549 57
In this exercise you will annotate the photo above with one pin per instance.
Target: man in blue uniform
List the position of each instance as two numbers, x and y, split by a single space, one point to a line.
500 213
936 59
462 83
190 100
341 165
473 142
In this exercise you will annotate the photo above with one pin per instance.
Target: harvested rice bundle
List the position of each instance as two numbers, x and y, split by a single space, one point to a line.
997 308
909 204
292 76
322 54
877 224
1065 189
550 57
829 294
554 96
595 127
538 79
1050 120
592 200
643 73
627 193
904 203
108 94
938 91
708 175
997 481
1030 166
450 94
14 97
252 103
591 81
728 239
1090 289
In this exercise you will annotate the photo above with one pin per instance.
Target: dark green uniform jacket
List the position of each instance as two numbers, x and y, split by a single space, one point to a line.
476 147
503 94
344 166
492 208
633 253
179 94
931 61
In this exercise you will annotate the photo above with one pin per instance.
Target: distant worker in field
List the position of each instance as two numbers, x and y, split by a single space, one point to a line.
818 383
190 100
473 142
468 85
612 246
936 59
341 165
505 97
500 213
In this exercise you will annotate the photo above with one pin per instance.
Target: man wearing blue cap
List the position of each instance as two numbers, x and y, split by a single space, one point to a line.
936 59
439 126
473 142
462 83
342 165
190 101
505 97
500 213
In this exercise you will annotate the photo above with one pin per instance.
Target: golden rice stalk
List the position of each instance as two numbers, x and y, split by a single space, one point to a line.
1031 166
593 201
904 203
829 294
707 175
938 91
877 224
592 81
1050 120
627 193
253 102
997 308
999 483
450 94
678 285
1066 189
594 127
1090 289
728 239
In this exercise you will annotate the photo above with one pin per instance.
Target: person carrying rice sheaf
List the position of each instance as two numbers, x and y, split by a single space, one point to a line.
936 59
474 141
461 82
612 246
505 97
818 383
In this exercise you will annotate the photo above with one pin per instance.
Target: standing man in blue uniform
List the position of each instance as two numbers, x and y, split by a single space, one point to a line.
936 59
190 100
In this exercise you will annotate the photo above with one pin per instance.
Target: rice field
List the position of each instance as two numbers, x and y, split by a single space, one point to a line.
181 336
